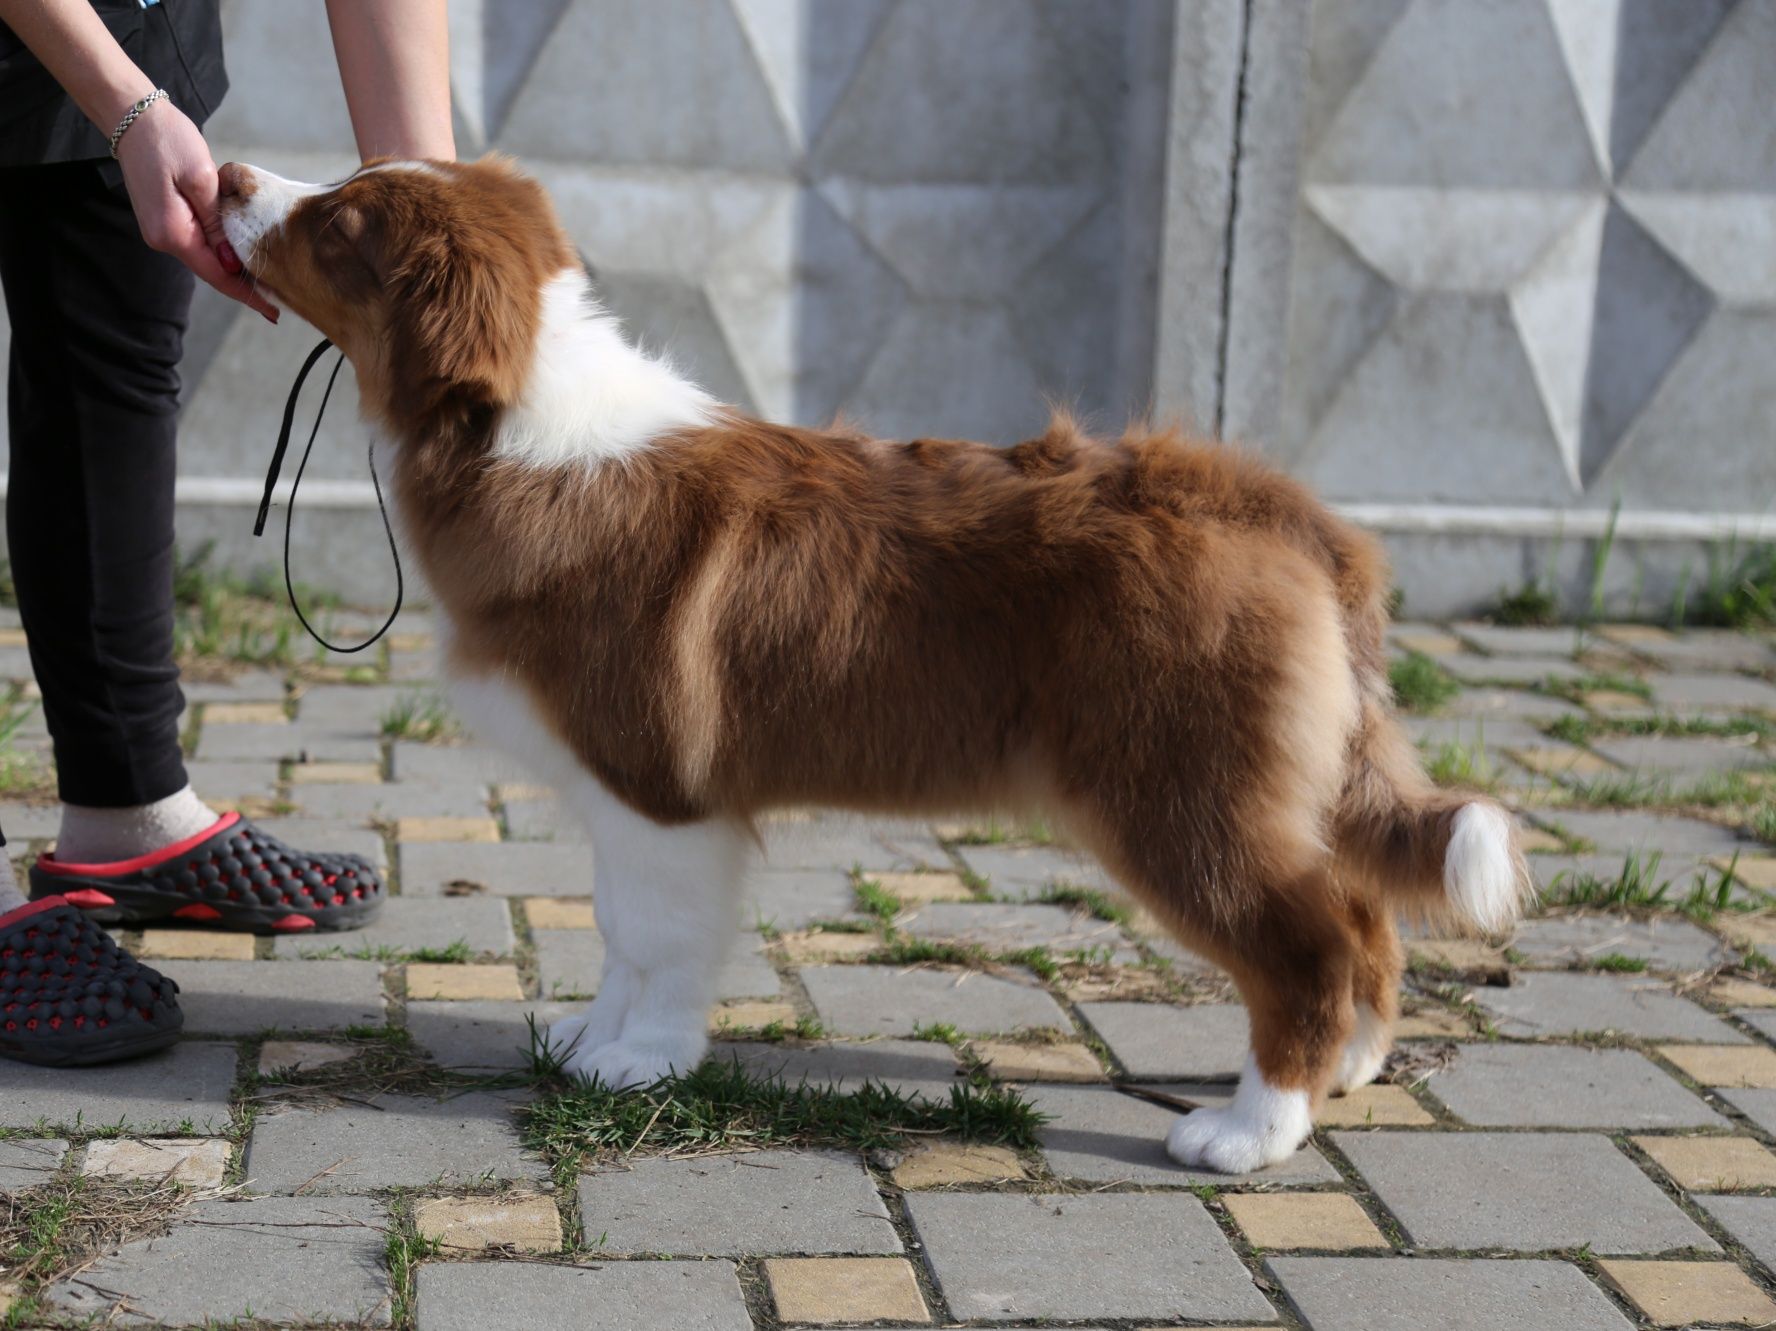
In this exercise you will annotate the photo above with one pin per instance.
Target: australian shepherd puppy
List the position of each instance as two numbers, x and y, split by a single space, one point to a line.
684 617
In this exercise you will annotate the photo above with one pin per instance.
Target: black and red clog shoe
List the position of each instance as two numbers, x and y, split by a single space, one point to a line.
232 876
69 995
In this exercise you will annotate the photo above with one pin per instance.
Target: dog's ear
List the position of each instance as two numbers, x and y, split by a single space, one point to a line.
464 320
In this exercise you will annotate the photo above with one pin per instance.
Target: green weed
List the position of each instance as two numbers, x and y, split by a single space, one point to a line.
1420 684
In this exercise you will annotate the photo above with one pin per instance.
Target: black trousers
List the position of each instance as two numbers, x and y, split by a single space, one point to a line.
98 324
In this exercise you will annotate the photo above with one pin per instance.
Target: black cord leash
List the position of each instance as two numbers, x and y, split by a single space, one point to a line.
271 479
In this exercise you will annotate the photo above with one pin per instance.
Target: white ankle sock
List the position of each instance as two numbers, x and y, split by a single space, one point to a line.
94 836
10 896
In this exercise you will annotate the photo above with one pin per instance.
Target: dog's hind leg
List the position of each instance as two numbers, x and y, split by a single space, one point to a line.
667 900
1376 992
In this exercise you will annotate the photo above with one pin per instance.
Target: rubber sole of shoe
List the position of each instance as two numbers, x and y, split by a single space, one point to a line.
127 1044
131 904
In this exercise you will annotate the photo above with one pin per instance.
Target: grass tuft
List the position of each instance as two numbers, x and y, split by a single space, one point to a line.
1740 591
1618 963
721 1106
1637 886
1531 605
422 718
1420 684
874 899
1099 905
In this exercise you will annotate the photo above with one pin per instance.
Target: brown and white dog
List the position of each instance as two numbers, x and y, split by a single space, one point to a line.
683 617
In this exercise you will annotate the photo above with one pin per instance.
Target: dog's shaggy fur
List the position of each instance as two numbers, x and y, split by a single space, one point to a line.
687 617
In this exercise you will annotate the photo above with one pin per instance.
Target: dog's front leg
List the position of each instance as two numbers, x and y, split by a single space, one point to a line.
667 900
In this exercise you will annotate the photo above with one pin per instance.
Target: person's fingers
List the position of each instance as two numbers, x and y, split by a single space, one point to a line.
197 251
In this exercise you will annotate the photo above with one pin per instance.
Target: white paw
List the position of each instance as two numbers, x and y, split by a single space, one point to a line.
1364 1055
1221 1140
619 1064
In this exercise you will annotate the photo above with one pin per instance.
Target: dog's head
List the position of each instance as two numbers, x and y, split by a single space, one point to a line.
428 275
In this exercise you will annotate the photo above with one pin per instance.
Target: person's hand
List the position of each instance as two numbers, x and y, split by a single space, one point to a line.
171 179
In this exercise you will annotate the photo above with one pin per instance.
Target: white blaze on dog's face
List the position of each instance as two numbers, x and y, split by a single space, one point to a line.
426 274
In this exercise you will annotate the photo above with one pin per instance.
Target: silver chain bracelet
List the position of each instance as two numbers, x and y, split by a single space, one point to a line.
129 117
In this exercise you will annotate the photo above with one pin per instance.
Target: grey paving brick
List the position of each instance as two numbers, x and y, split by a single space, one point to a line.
732 1205
328 834
1519 1191
1561 641
892 1000
256 741
1499 704
840 843
789 899
274 1259
1561 1003
408 924
229 780
351 709
1006 1257
542 820
27 1161
1761 1020
246 997
1523 671
1625 831
1680 759
569 961
482 1035
1096 1134
191 1081
453 764
1549 1086
1668 944
1751 1220
1157 1040
28 822
1400 1294
1713 693
248 685
911 1067
359 806
1001 928
746 973
388 1141
1490 735
612 1296
1757 1105
504 869
1557 874
1029 871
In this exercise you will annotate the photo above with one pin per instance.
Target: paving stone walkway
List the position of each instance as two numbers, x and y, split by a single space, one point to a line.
1576 1132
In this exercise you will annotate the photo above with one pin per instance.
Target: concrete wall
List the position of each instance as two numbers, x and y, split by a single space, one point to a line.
1476 268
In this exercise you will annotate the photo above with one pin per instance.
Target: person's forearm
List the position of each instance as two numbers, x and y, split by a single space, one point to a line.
74 45
394 63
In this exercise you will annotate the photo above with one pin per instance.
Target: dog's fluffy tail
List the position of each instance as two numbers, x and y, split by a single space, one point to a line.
1447 856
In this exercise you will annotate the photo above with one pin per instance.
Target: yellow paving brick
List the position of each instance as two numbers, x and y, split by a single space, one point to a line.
336 774
467 1224
1691 1293
1283 1220
1464 955
1758 931
1375 1106
197 1162
12 638
1725 1065
1068 1061
410 642
1634 635
827 1291
195 945
917 888
446 829
491 980
1432 1023
245 714
1559 760
1534 839
750 1016
1613 700
1712 1164
824 945
510 792
937 1163
559 913
1741 993
300 1055
1431 644
1757 871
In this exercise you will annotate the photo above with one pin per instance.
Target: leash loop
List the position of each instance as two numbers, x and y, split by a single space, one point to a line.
271 479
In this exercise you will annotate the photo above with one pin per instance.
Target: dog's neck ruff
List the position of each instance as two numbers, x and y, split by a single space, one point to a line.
590 396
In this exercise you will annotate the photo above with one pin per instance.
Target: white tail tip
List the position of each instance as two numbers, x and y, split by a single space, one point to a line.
1480 873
